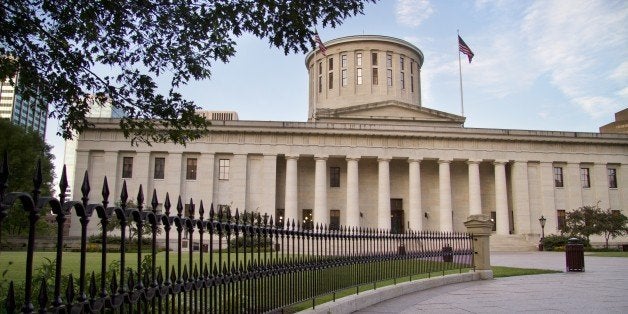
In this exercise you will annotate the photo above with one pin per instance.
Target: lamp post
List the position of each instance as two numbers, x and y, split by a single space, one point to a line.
542 222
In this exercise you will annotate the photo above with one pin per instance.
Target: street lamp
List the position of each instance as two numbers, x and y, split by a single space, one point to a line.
542 222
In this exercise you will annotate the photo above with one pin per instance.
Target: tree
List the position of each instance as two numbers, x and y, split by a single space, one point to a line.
24 148
584 221
613 224
58 48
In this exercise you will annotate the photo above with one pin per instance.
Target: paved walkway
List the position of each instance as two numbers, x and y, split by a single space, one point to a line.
602 288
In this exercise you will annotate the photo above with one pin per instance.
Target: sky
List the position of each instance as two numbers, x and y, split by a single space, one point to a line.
539 65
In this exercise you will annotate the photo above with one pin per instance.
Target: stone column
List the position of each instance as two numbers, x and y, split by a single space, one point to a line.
599 182
320 191
475 196
353 193
270 183
414 195
383 195
480 227
501 198
521 197
291 188
444 191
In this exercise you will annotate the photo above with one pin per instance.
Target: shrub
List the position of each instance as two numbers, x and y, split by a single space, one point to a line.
265 244
555 242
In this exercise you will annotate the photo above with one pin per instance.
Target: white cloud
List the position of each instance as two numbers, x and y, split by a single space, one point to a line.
597 106
412 12
543 114
621 73
623 93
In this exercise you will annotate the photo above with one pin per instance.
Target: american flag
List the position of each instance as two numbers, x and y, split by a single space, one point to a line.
462 46
320 44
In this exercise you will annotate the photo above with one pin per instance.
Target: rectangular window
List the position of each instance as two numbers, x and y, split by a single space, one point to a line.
560 219
358 59
334 219
330 79
343 61
320 68
411 66
389 77
411 84
223 169
388 60
403 82
401 63
374 58
494 220
558 177
334 177
127 167
331 64
320 84
308 222
359 76
612 178
375 79
584 178
190 172
344 77
159 168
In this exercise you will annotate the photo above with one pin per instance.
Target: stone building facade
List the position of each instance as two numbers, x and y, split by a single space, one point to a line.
370 155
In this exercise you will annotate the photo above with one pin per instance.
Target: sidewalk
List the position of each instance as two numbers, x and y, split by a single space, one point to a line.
603 288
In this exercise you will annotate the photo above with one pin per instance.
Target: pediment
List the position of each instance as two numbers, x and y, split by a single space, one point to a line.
389 111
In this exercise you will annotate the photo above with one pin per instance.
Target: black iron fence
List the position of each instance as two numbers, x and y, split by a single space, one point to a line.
246 263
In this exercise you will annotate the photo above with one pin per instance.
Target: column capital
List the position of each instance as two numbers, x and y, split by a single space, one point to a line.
474 161
500 162
320 157
292 156
411 160
383 159
269 155
444 161
352 158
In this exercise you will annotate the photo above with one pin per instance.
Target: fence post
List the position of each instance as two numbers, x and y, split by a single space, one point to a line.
480 226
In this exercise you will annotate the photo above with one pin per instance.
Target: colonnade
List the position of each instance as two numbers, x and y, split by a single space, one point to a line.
414 210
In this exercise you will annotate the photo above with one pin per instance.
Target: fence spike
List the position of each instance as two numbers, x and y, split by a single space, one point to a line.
10 303
271 223
160 276
146 280
69 291
105 192
131 282
215 270
124 196
201 210
229 214
167 204
185 273
195 273
205 271
179 207
237 216
212 213
92 286
173 276
154 202
191 209
43 294
140 199
85 187
114 283
63 184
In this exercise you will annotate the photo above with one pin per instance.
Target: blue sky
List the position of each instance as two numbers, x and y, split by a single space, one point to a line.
539 65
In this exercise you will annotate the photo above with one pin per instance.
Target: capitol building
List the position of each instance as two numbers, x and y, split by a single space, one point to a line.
369 155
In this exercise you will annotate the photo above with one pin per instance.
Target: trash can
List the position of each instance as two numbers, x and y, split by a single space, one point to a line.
448 254
574 255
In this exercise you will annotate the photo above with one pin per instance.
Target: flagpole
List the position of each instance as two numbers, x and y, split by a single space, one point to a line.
460 70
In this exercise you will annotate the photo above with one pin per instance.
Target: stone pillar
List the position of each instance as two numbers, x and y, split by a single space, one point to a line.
353 193
475 196
599 182
444 191
320 191
521 197
480 227
270 183
414 195
501 198
291 188
383 195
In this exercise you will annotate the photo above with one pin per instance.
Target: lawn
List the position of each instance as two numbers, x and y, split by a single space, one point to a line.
502 271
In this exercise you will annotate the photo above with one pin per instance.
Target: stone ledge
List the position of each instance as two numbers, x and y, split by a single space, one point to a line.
365 299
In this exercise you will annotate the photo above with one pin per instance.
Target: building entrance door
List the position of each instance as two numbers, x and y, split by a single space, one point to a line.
396 215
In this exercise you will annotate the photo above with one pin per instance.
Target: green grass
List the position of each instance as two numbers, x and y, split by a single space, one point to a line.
607 254
502 271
